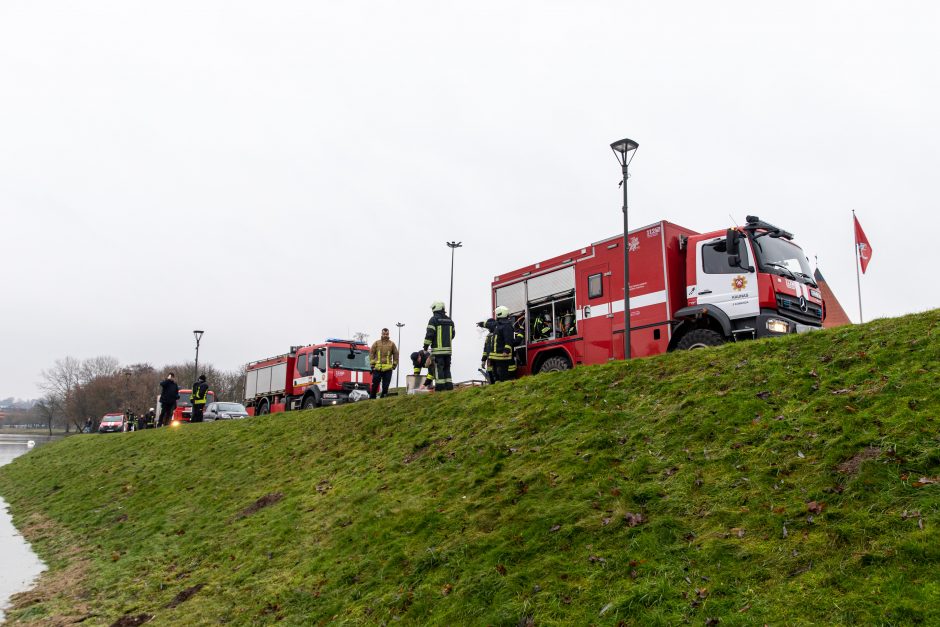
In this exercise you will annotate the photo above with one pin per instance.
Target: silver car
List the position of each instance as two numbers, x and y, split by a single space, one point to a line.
225 411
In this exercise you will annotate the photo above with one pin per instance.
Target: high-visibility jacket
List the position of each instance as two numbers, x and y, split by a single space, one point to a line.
440 335
200 389
383 355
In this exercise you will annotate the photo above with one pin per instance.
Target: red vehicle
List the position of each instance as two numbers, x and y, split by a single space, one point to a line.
184 406
687 290
334 372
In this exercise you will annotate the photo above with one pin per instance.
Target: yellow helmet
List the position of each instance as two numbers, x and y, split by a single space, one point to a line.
502 312
437 306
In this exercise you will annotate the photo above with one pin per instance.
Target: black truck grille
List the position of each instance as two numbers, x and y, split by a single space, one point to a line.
809 313
349 386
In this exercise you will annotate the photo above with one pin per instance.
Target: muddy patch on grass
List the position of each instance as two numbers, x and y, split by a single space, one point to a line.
185 595
129 620
264 501
851 465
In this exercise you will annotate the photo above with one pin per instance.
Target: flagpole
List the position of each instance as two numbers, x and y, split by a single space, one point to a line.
858 262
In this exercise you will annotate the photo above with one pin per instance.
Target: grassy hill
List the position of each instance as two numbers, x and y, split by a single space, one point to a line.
791 481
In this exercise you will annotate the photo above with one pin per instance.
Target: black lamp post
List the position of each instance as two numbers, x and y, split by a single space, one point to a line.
198 335
624 150
398 365
453 246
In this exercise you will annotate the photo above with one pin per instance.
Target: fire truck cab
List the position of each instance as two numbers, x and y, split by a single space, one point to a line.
687 290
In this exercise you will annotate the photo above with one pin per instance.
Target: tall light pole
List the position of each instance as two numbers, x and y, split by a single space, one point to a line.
624 150
398 365
453 246
198 335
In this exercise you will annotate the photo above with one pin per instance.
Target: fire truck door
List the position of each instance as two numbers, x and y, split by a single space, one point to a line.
595 317
731 288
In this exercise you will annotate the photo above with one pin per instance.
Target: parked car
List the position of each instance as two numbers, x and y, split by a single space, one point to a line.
225 411
111 423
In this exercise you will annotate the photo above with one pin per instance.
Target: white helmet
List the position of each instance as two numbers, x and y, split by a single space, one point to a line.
502 312
437 306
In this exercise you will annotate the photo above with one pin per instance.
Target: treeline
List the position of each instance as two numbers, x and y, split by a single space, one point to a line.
78 389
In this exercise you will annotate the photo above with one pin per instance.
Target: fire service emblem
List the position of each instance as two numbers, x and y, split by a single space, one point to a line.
738 283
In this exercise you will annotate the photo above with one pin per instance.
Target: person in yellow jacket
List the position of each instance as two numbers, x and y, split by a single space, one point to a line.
384 359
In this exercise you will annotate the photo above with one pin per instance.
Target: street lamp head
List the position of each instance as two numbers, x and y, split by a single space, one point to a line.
399 324
624 150
455 244
198 335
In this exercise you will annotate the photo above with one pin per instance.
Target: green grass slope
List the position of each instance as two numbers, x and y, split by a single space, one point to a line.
786 482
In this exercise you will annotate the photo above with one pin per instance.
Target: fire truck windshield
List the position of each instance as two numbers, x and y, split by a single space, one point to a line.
340 358
780 256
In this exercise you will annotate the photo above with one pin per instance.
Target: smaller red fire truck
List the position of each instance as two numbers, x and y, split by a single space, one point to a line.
184 406
687 290
331 373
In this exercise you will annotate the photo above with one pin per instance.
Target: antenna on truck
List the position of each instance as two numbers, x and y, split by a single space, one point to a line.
733 220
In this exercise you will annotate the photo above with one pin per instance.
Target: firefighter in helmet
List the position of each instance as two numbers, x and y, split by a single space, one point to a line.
439 339
501 355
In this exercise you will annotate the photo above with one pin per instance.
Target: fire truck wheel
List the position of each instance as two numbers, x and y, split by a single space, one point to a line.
263 408
310 402
700 338
555 364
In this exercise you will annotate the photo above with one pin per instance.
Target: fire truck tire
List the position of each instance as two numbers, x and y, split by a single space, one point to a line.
310 402
555 364
700 338
263 408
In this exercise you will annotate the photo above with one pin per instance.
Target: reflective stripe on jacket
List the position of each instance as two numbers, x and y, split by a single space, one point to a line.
383 355
440 334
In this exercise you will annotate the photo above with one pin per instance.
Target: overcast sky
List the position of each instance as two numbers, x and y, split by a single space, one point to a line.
279 172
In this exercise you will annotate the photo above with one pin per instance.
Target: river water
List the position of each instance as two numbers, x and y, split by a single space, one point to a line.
19 566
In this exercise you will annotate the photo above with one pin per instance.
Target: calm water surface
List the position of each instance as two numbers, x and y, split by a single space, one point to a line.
19 566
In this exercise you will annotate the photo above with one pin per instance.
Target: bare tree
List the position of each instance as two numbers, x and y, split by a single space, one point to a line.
361 336
47 409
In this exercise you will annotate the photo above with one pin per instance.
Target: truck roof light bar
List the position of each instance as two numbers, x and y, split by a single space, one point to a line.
753 223
341 341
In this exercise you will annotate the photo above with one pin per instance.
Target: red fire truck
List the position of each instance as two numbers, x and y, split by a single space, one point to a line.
184 406
687 290
330 373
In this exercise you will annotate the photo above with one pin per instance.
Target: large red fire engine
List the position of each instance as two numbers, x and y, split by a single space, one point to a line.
687 290
330 373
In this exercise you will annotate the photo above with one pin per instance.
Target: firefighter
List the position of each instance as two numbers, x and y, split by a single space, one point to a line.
383 357
439 339
489 347
200 389
518 341
501 355
543 327
422 359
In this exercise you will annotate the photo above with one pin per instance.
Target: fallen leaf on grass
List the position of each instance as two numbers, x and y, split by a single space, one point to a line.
597 560
815 508
447 589
925 481
555 528
701 592
633 520
744 609
501 569
738 531
763 395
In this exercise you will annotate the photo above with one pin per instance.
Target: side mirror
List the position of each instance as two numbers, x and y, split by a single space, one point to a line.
732 239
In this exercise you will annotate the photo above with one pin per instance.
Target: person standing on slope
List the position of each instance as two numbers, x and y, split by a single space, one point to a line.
439 339
383 357
169 394
200 390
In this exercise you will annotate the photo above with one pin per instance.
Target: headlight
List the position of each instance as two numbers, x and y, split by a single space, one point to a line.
777 326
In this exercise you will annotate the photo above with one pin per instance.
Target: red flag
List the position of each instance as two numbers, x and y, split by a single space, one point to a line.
861 245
